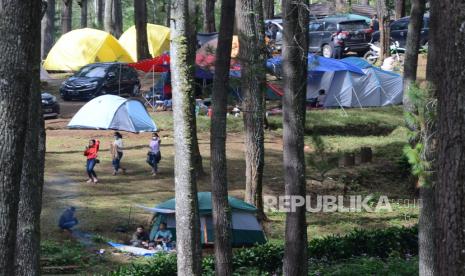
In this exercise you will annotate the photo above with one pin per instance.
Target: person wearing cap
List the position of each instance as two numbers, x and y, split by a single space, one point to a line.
68 219
116 149
154 155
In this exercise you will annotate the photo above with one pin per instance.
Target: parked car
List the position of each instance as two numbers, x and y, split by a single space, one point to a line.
358 35
50 106
399 30
99 79
321 31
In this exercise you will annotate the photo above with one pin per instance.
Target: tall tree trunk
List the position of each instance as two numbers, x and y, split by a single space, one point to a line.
66 16
400 8
448 81
113 19
168 12
32 179
19 27
47 29
252 55
209 16
221 209
383 16
412 48
295 51
140 18
83 5
99 11
426 226
182 75
268 9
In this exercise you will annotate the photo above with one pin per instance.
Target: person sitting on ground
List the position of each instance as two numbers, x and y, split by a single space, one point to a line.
163 235
140 238
68 219
321 98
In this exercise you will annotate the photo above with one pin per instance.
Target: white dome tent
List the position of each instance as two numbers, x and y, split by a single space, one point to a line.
111 112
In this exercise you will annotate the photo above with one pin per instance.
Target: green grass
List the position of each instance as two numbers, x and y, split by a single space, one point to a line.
111 203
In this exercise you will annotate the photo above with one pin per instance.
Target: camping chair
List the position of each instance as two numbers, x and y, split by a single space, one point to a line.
149 96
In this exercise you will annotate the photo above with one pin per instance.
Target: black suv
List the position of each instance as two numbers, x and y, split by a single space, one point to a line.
99 79
399 30
321 31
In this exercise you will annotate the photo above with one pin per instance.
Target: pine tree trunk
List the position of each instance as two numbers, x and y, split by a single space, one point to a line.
268 9
412 48
400 8
83 13
383 15
448 81
252 56
426 232
182 76
140 18
32 179
99 11
66 16
19 27
295 50
221 209
113 18
47 29
209 16
168 13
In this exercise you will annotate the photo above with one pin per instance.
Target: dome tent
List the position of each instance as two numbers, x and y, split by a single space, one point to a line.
352 82
246 230
115 113
84 46
158 38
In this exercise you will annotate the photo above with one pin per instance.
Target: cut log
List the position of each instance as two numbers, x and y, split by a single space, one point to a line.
348 159
366 155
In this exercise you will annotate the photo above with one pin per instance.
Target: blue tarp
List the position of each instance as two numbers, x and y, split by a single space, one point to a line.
358 62
317 64
322 64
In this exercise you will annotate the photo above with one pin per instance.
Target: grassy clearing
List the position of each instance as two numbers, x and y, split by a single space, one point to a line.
112 203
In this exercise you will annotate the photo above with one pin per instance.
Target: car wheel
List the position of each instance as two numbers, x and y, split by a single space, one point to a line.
327 51
370 57
135 90
66 98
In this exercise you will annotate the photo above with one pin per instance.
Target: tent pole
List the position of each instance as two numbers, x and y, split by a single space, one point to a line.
340 105
358 100
153 85
119 80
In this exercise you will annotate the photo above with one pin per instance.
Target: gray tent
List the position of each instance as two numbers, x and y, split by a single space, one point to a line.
346 88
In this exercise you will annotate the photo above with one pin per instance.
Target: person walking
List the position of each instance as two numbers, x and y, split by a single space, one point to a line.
154 155
116 149
91 153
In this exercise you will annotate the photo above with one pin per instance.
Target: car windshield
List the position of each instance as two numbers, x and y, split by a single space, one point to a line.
354 26
92 72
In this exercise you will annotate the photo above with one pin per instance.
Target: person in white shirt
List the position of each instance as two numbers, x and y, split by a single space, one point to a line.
116 150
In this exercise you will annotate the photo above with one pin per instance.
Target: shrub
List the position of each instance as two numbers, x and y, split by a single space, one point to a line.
267 259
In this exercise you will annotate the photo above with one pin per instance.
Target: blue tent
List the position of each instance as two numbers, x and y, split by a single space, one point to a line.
346 88
321 64
113 112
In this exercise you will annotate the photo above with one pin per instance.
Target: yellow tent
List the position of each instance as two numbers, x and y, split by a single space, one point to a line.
83 46
157 36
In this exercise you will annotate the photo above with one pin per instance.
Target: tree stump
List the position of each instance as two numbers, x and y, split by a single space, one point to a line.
366 155
348 159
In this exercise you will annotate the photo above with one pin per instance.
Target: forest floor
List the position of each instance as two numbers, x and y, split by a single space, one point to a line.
111 204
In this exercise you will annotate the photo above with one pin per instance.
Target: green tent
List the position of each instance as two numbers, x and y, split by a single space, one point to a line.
246 229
